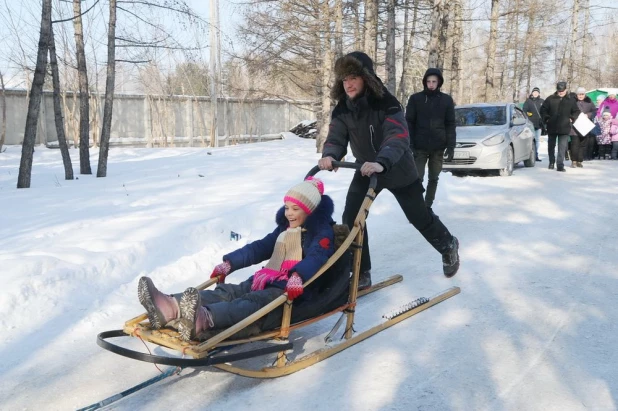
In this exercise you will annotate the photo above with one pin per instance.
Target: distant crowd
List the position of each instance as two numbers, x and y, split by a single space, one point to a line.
555 116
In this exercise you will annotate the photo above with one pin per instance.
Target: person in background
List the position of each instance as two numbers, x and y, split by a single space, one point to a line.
532 107
613 132
558 111
610 103
579 142
605 139
430 115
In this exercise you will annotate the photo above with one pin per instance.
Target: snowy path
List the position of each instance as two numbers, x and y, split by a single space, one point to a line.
534 328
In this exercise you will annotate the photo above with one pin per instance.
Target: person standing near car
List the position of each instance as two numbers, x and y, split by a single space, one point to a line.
371 121
430 115
579 143
558 111
532 108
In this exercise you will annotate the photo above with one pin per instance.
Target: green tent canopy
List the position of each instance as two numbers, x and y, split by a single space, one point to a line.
593 94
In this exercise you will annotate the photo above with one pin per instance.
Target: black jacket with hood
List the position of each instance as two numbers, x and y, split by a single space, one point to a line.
430 115
373 124
532 108
558 113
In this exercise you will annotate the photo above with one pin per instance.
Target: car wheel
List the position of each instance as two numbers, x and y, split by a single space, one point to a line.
510 163
531 161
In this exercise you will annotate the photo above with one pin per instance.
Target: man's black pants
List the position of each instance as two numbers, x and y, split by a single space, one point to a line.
410 199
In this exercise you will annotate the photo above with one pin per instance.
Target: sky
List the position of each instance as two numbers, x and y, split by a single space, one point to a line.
534 327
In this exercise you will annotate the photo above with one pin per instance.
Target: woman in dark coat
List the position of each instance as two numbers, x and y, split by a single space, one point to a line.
580 143
298 247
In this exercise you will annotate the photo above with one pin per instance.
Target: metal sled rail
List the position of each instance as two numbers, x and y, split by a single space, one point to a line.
184 362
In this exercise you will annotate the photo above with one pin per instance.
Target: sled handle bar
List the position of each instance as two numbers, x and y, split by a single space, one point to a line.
373 180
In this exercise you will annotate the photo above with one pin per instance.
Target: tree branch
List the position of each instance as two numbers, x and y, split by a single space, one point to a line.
74 17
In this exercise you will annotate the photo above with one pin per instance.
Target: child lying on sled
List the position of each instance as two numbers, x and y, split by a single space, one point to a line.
300 244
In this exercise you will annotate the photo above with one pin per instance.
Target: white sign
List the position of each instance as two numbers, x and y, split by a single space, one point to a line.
583 124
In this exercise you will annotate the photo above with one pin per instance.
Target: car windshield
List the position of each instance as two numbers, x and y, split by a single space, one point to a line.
480 116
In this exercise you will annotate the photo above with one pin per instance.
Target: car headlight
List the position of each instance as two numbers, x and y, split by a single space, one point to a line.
494 140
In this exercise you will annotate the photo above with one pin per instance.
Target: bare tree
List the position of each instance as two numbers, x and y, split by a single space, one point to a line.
34 104
435 58
3 102
84 103
371 28
109 91
327 67
58 117
573 42
338 28
391 57
457 41
491 51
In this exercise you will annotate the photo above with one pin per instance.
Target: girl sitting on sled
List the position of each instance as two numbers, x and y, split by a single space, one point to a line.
300 244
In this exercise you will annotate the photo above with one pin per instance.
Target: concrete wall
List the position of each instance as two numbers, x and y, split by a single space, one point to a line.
159 120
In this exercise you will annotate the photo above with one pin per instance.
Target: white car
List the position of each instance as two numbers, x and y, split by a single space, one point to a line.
491 137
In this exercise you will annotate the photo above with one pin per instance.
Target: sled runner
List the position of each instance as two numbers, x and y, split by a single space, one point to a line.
272 325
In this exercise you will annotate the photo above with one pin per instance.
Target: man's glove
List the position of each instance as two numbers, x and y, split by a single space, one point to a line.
221 271
449 153
294 287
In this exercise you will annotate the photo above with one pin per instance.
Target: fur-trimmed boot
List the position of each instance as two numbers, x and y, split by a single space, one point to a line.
194 318
160 308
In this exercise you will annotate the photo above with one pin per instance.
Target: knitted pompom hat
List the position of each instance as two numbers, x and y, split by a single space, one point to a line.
306 195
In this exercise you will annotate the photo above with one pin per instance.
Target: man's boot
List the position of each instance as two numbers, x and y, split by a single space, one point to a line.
579 164
446 244
450 259
551 166
364 280
573 164
561 168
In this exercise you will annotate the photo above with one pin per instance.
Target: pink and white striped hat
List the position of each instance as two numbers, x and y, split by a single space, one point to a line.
306 195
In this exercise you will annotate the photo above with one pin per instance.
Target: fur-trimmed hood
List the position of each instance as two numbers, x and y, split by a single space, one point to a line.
359 64
321 215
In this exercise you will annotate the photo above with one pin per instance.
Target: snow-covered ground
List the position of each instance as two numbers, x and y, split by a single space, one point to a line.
534 328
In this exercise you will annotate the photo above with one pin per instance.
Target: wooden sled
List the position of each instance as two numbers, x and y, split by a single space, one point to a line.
209 352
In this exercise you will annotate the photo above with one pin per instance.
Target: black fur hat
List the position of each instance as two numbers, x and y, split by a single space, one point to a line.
359 64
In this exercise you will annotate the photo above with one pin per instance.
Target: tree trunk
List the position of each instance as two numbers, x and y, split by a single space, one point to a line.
491 51
573 43
444 26
338 28
434 34
515 47
58 117
359 34
407 50
371 25
391 57
84 100
326 73
106 128
34 104
585 76
3 102
457 40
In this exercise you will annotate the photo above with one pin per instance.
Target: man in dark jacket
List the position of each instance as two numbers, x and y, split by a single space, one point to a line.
558 111
430 115
371 120
532 107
